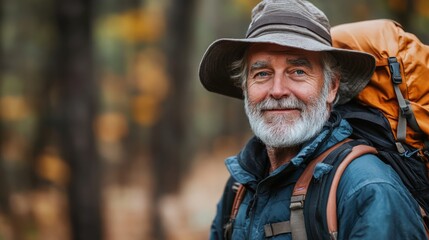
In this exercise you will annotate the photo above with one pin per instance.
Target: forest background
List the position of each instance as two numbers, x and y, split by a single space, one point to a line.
105 130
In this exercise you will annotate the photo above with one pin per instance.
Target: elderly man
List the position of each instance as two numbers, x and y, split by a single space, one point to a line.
290 77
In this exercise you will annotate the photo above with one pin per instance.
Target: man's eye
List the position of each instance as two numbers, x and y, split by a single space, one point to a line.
261 74
300 72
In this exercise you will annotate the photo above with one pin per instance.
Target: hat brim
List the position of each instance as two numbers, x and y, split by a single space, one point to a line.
215 67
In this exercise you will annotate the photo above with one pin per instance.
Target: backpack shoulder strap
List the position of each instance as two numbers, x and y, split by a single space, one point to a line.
331 212
232 193
300 191
297 221
239 190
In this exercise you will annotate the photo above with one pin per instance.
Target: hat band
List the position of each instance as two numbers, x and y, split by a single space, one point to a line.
291 19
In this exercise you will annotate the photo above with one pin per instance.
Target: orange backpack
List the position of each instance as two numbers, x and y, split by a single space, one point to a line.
400 84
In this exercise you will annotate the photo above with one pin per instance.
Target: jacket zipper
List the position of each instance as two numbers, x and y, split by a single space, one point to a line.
250 213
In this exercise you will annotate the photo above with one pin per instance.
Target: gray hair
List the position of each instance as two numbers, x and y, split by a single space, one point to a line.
239 72
331 71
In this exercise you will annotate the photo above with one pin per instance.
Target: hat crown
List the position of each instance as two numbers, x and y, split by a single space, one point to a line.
306 12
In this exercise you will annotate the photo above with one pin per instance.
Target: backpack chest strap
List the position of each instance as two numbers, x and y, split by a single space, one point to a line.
273 229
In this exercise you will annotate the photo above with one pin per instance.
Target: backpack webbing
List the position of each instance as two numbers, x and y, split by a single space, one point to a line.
232 187
406 115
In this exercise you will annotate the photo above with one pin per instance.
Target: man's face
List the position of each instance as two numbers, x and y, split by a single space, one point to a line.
286 99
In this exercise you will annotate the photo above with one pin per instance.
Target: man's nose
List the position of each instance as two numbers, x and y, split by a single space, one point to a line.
279 88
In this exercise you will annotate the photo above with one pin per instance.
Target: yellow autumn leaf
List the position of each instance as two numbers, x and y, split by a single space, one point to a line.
246 5
398 5
145 110
149 72
52 167
422 7
145 24
13 108
111 127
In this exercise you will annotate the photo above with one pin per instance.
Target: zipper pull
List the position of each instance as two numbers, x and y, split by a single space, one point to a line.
252 204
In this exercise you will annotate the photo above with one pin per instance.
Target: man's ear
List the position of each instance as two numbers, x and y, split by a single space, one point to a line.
334 86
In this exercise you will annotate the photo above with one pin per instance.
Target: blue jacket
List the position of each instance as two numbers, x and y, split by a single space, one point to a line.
372 202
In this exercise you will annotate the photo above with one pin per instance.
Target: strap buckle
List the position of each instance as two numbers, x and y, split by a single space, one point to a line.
395 70
297 202
274 229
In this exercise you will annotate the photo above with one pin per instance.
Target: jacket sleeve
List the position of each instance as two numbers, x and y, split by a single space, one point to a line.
223 211
374 204
216 232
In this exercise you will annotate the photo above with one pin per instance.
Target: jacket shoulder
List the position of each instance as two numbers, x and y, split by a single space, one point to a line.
374 203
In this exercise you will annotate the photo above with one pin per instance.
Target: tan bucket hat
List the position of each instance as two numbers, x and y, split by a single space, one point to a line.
291 23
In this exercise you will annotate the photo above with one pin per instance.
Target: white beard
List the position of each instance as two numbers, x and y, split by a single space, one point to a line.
280 131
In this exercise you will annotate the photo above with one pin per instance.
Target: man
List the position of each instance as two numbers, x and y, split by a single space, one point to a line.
290 77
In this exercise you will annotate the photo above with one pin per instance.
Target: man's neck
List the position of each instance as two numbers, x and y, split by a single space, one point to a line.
281 156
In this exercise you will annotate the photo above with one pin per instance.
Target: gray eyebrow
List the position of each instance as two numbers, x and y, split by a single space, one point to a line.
300 62
258 65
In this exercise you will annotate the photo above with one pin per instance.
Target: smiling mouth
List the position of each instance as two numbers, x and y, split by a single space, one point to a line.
281 110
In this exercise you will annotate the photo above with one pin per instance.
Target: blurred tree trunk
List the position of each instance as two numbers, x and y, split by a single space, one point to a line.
4 207
77 110
12 173
405 14
169 139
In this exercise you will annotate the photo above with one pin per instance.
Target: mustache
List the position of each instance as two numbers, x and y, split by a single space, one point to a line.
283 103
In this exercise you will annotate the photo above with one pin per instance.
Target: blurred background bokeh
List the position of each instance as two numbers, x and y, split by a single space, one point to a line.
105 130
